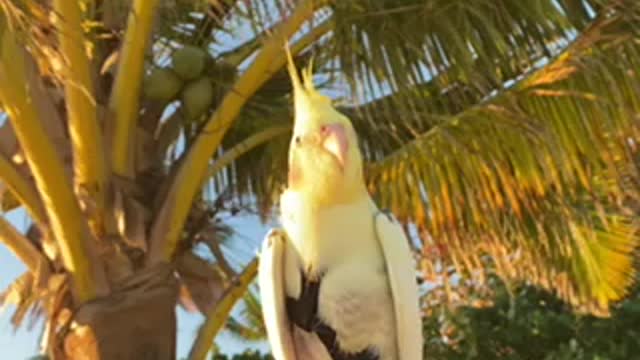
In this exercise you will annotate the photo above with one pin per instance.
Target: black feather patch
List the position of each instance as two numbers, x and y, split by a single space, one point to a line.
303 312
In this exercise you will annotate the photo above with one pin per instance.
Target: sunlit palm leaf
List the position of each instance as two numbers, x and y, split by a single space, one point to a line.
543 173
21 295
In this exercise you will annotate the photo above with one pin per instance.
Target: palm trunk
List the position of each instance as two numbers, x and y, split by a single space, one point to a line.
136 322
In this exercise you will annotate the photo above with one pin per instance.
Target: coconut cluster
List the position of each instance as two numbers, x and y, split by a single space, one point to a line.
185 79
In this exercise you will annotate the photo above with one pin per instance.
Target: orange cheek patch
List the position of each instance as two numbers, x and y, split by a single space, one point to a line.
295 174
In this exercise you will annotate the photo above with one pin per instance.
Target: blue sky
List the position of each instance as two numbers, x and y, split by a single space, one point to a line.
23 343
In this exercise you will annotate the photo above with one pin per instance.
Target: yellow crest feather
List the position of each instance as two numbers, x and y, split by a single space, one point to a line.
304 92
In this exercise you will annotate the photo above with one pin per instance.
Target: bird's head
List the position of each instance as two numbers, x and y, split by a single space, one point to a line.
324 159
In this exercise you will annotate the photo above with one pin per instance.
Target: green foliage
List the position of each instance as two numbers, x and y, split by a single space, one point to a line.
533 168
248 325
246 355
531 324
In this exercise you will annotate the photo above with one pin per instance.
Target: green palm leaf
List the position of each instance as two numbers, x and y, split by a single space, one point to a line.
542 176
248 324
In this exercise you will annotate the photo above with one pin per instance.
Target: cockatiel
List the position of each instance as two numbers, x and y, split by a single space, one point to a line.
338 282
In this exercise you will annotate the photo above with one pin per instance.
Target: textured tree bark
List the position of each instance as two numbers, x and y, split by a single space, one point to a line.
135 322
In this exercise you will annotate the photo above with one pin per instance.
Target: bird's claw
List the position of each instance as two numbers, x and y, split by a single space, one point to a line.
273 235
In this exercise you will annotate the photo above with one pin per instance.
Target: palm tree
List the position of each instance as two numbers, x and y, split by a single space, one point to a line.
503 133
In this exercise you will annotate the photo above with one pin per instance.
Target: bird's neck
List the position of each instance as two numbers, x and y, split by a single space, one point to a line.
330 234
327 194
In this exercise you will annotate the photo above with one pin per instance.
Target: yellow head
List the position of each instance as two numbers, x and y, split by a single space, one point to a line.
325 163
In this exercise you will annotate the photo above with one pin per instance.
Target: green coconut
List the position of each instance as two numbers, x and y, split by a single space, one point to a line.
189 61
197 97
162 84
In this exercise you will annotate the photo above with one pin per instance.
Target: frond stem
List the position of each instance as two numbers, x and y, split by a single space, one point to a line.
60 203
86 138
124 101
219 313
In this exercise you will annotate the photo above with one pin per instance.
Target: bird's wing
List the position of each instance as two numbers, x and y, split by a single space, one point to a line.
288 342
404 289
272 295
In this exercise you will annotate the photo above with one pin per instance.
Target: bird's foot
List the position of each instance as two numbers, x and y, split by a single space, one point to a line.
275 234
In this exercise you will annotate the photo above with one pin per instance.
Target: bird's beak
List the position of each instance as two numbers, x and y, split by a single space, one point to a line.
334 140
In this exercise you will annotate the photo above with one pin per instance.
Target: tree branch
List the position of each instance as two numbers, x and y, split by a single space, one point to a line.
124 101
171 218
219 313
86 137
59 201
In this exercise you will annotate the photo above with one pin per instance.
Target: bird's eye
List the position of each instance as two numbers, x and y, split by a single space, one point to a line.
324 128
298 140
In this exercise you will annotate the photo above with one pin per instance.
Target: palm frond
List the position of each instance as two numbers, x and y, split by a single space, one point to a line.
248 324
21 295
33 295
390 45
219 314
541 176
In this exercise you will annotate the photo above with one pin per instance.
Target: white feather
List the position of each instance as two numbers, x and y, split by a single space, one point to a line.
287 342
271 281
401 273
